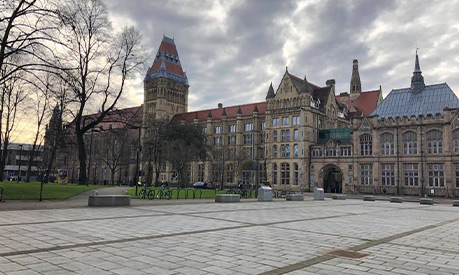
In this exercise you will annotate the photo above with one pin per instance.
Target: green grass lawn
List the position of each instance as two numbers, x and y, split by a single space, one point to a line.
199 193
51 191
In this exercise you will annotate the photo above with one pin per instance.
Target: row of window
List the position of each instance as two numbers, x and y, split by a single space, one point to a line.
411 174
410 143
232 128
285 151
285 135
285 174
344 151
286 121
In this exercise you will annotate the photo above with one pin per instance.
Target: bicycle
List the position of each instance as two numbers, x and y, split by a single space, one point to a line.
147 193
164 193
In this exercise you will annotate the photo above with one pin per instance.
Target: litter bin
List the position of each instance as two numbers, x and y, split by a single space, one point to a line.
265 193
319 194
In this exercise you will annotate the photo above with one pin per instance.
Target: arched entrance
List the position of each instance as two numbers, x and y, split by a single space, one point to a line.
332 179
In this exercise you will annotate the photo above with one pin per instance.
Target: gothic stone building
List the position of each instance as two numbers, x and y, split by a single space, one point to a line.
305 135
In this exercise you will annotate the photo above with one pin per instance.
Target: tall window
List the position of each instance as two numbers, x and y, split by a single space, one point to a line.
201 172
388 174
295 174
387 144
229 173
295 134
232 128
411 174
285 135
456 142
285 173
274 173
274 151
316 152
248 127
366 145
248 139
330 152
436 175
295 150
218 129
231 140
366 174
274 135
296 120
275 122
410 143
285 121
456 168
434 142
345 151
263 125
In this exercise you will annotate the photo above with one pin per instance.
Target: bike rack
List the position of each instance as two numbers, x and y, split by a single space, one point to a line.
200 193
1 193
186 193
178 192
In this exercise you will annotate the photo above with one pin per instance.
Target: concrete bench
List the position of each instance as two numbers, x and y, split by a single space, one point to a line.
227 198
426 201
455 203
396 199
339 197
295 197
109 200
369 198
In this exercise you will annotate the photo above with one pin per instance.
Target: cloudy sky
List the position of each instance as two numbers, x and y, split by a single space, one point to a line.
232 50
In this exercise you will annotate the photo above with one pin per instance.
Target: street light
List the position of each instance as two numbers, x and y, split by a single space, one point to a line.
90 153
19 170
139 149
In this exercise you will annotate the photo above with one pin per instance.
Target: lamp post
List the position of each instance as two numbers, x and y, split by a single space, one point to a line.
90 154
139 149
19 170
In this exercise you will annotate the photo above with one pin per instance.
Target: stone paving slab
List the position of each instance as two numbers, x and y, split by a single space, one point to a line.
248 238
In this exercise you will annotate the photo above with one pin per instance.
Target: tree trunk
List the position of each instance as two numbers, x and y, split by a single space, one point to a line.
3 159
82 159
112 176
30 161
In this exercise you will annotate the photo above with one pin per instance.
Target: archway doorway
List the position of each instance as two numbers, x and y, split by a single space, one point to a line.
332 179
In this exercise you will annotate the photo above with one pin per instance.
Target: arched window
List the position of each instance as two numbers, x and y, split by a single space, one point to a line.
295 174
366 145
410 143
274 151
274 173
285 173
387 144
434 142
456 142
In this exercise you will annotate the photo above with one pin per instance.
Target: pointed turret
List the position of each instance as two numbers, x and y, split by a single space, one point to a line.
417 80
209 115
239 111
224 112
255 109
167 63
270 91
356 85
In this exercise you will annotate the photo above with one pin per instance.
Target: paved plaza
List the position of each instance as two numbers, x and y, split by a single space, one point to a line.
279 237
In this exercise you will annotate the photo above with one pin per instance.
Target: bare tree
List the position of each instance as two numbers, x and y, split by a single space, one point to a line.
41 107
113 149
154 152
26 36
96 64
11 96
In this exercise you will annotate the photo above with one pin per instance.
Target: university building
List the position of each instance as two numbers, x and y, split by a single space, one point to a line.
304 135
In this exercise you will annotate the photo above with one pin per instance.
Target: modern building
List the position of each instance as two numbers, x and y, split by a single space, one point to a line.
17 160
304 135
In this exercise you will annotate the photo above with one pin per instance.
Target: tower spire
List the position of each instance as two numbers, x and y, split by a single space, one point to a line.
417 80
356 85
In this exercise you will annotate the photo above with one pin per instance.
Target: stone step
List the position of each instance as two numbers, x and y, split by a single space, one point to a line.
426 201
396 199
295 197
226 198
109 200
369 198
339 197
